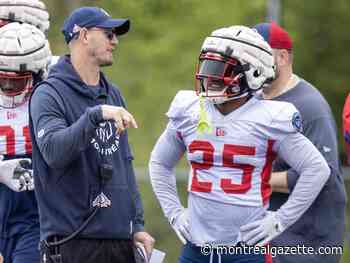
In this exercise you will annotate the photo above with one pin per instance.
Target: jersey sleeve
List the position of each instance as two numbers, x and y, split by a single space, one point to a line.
307 161
165 155
285 122
301 156
321 132
168 151
181 114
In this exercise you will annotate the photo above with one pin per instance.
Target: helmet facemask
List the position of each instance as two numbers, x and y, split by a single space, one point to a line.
15 88
4 22
220 78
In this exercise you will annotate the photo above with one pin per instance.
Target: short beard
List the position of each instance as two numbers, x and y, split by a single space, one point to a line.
101 62
106 64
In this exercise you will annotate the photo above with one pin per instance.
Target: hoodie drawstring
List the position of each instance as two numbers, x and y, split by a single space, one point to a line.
211 260
211 256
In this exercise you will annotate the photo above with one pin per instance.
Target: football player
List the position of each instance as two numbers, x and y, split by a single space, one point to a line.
24 56
231 138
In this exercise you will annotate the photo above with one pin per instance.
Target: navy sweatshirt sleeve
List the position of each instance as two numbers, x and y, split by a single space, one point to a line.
139 218
58 142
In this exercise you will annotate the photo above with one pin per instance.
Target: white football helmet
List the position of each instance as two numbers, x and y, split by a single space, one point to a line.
234 62
24 50
33 12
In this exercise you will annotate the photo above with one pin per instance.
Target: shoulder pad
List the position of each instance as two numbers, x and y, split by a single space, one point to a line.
184 111
285 117
182 103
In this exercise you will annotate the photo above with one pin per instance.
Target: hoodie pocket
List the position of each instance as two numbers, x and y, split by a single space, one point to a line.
116 212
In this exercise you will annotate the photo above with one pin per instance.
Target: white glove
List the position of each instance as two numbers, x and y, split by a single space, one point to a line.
181 225
14 174
261 232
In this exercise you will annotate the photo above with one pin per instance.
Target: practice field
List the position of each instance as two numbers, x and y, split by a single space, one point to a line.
166 239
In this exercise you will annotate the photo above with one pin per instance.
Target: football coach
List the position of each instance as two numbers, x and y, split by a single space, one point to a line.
89 204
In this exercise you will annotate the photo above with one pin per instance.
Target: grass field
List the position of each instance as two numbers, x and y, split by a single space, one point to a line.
166 239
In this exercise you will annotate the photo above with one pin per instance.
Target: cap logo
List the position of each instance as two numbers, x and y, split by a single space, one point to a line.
104 11
76 28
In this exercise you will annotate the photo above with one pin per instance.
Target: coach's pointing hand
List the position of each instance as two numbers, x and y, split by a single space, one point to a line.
122 118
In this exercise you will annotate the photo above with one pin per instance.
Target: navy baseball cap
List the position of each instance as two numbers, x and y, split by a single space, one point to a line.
87 17
275 35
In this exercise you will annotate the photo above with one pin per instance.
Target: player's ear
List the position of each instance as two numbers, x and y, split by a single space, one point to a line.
286 56
83 35
282 57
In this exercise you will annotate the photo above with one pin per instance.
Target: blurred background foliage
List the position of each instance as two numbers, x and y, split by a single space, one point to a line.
158 57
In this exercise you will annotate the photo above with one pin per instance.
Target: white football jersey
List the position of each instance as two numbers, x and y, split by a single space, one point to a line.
231 164
14 131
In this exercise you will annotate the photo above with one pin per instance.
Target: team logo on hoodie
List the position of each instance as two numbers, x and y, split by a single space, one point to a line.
101 201
106 141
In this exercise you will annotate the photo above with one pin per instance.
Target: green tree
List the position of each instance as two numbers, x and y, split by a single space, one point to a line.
321 40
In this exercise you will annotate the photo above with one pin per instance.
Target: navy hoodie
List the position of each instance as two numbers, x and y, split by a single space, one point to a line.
70 144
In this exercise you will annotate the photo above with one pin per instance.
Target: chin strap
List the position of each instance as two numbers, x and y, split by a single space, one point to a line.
204 125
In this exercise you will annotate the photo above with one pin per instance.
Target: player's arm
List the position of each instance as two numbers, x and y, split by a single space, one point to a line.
314 173
165 155
320 133
59 143
304 158
279 182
